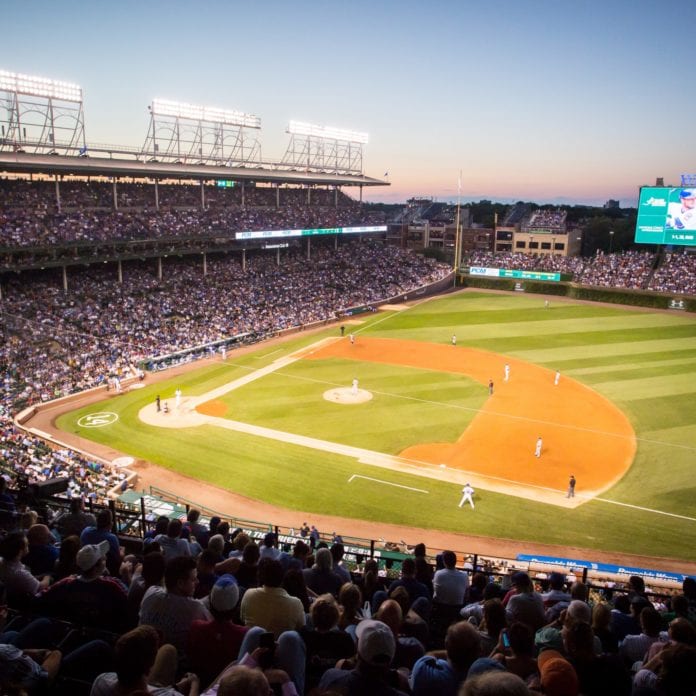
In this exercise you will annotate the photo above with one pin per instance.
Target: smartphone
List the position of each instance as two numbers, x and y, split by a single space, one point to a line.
506 639
267 641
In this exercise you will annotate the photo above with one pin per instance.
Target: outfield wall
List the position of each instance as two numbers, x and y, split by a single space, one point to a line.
639 298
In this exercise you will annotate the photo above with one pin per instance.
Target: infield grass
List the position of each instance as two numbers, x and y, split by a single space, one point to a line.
643 361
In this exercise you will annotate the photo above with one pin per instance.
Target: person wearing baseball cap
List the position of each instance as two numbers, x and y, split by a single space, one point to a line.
91 555
682 215
213 644
557 675
372 673
89 598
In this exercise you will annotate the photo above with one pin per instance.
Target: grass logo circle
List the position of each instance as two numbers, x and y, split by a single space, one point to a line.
97 420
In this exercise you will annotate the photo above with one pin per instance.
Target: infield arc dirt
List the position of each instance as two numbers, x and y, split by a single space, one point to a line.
583 433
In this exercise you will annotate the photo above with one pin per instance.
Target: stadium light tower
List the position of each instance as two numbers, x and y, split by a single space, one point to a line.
41 115
324 148
188 133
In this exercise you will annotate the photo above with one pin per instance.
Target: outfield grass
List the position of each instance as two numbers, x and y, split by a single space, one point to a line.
644 361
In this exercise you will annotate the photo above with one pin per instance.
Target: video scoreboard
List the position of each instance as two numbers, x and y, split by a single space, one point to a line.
666 216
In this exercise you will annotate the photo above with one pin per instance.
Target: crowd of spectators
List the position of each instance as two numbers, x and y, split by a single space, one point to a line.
546 220
200 609
58 342
24 458
676 274
31 216
628 269
72 195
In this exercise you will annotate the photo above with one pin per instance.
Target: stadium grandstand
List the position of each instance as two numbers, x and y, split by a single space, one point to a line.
116 264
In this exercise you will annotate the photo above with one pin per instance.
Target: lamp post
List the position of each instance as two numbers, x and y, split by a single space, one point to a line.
611 240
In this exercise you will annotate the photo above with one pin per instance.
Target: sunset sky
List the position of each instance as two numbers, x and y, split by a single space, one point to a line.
545 100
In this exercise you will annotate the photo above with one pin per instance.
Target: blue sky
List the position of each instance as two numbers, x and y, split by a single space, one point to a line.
572 101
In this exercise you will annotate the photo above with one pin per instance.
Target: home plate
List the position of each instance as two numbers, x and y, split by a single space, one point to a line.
123 461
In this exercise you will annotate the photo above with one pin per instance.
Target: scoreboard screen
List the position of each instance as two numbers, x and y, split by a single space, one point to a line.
666 216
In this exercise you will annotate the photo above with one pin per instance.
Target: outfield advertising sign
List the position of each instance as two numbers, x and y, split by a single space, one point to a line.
602 567
509 273
666 216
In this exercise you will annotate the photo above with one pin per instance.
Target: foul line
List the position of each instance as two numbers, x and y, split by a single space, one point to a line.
645 509
266 355
390 315
386 483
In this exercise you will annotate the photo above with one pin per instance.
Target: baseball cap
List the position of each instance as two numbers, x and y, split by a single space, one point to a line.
432 677
687 193
376 644
225 593
483 665
548 639
558 676
90 554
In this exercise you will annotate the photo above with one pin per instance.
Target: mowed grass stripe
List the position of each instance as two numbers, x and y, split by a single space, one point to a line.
657 379
677 385
582 338
647 361
618 351
661 412
416 319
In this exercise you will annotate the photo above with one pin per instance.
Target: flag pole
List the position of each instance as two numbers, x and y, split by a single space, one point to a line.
457 232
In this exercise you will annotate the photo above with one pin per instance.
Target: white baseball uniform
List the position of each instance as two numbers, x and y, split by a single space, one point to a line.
467 496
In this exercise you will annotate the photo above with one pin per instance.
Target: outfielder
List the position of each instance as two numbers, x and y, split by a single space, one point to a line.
467 496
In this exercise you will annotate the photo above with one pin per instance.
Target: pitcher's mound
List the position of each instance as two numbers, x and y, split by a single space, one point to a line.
345 395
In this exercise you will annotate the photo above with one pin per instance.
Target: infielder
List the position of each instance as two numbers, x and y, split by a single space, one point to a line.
467 496
507 372
352 339
557 378
454 340
539 445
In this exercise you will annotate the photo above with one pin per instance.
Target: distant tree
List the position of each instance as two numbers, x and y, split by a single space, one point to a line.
596 233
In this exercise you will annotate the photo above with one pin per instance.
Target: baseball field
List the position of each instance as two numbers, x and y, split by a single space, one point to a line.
284 423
